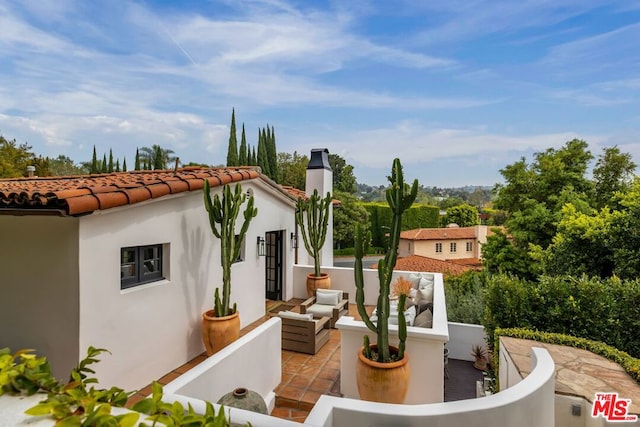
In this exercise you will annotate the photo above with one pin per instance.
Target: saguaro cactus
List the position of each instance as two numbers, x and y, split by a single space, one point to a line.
314 230
222 219
399 197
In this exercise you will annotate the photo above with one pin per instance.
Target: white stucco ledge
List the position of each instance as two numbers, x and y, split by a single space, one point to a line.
530 403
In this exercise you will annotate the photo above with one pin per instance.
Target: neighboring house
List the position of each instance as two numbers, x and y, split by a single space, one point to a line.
127 262
450 243
421 263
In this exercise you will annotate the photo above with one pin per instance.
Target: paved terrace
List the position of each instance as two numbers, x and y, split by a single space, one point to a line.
579 372
305 377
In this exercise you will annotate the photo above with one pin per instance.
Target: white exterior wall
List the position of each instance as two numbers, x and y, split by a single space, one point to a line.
462 338
153 328
39 288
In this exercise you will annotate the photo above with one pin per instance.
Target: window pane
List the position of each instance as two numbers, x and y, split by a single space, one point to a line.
128 255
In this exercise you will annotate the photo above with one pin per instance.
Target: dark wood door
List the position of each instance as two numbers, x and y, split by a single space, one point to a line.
274 262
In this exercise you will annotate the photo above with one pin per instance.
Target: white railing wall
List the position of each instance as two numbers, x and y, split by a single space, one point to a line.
529 403
462 338
252 362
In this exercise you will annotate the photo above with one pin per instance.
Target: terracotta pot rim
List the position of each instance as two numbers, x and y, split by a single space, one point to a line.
389 365
210 315
321 276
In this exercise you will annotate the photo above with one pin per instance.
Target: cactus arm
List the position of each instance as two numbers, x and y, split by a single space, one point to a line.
361 248
402 326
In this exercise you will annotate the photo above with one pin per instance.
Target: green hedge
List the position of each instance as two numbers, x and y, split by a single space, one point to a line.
606 310
630 364
417 216
465 297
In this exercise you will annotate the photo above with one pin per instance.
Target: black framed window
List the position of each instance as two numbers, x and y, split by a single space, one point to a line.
452 247
438 247
140 265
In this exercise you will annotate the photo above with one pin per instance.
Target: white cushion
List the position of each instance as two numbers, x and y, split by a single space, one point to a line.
425 294
330 292
414 278
424 283
294 315
424 320
409 316
327 299
320 310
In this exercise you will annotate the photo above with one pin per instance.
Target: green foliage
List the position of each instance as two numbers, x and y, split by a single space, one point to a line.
137 160
222 220
293 169
465 297
606 310
312 217
414 217
175 414
630 364
243 158
399 198
464 215
612 174
263 155
156 157
272 154
77 403
349 213
343 178
14 159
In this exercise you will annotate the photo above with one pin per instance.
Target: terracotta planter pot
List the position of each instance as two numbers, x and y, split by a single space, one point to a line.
317 282
480 364
382 382
218 332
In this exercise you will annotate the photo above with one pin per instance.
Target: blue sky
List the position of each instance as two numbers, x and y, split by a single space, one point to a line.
455 89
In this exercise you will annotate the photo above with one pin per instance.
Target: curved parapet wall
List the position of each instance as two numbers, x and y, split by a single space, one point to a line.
530 403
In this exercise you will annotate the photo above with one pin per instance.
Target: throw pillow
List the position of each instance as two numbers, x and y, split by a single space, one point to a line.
330 292
424 319
424 283
326 298
414 278
425 294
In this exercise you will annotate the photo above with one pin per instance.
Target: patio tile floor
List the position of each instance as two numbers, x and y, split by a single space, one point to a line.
305 378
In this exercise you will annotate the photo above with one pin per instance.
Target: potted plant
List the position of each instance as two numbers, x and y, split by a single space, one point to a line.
382 370
312 216
480 355
221 324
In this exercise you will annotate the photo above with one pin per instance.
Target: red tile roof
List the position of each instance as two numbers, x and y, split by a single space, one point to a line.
448 233
83 194
431 265
297 193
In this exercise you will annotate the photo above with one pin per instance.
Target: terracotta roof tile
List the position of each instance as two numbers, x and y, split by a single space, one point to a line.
77 195
448 233
432 265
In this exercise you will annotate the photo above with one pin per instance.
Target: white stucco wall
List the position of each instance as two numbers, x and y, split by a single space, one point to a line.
154 328
39 288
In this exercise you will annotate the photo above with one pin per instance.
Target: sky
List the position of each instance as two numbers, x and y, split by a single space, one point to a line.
455 89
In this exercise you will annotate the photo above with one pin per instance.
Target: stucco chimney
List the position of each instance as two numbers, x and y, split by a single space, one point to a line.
31 171
320 177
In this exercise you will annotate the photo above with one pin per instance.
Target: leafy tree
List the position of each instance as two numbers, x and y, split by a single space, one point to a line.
293 168
624 233
64 166
232 150
501 256
156 157
345 217
613 173
463 215
343 177
242 154
14 158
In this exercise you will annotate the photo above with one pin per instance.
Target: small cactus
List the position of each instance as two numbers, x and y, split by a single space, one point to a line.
222 219
399 197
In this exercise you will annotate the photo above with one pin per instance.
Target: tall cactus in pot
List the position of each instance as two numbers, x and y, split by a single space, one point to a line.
222 219
400 196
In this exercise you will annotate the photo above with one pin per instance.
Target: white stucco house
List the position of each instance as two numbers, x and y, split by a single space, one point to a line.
127 262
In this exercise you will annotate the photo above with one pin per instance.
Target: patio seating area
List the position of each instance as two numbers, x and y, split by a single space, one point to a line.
306 377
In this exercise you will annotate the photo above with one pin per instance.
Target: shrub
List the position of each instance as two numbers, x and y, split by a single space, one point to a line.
465 297
606 310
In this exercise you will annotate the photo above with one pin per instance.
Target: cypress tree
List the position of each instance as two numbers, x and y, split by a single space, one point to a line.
104 164
117 165
232 151
254 157
263 159
242 155
124 164
94 161
137 163
272 153
110 166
